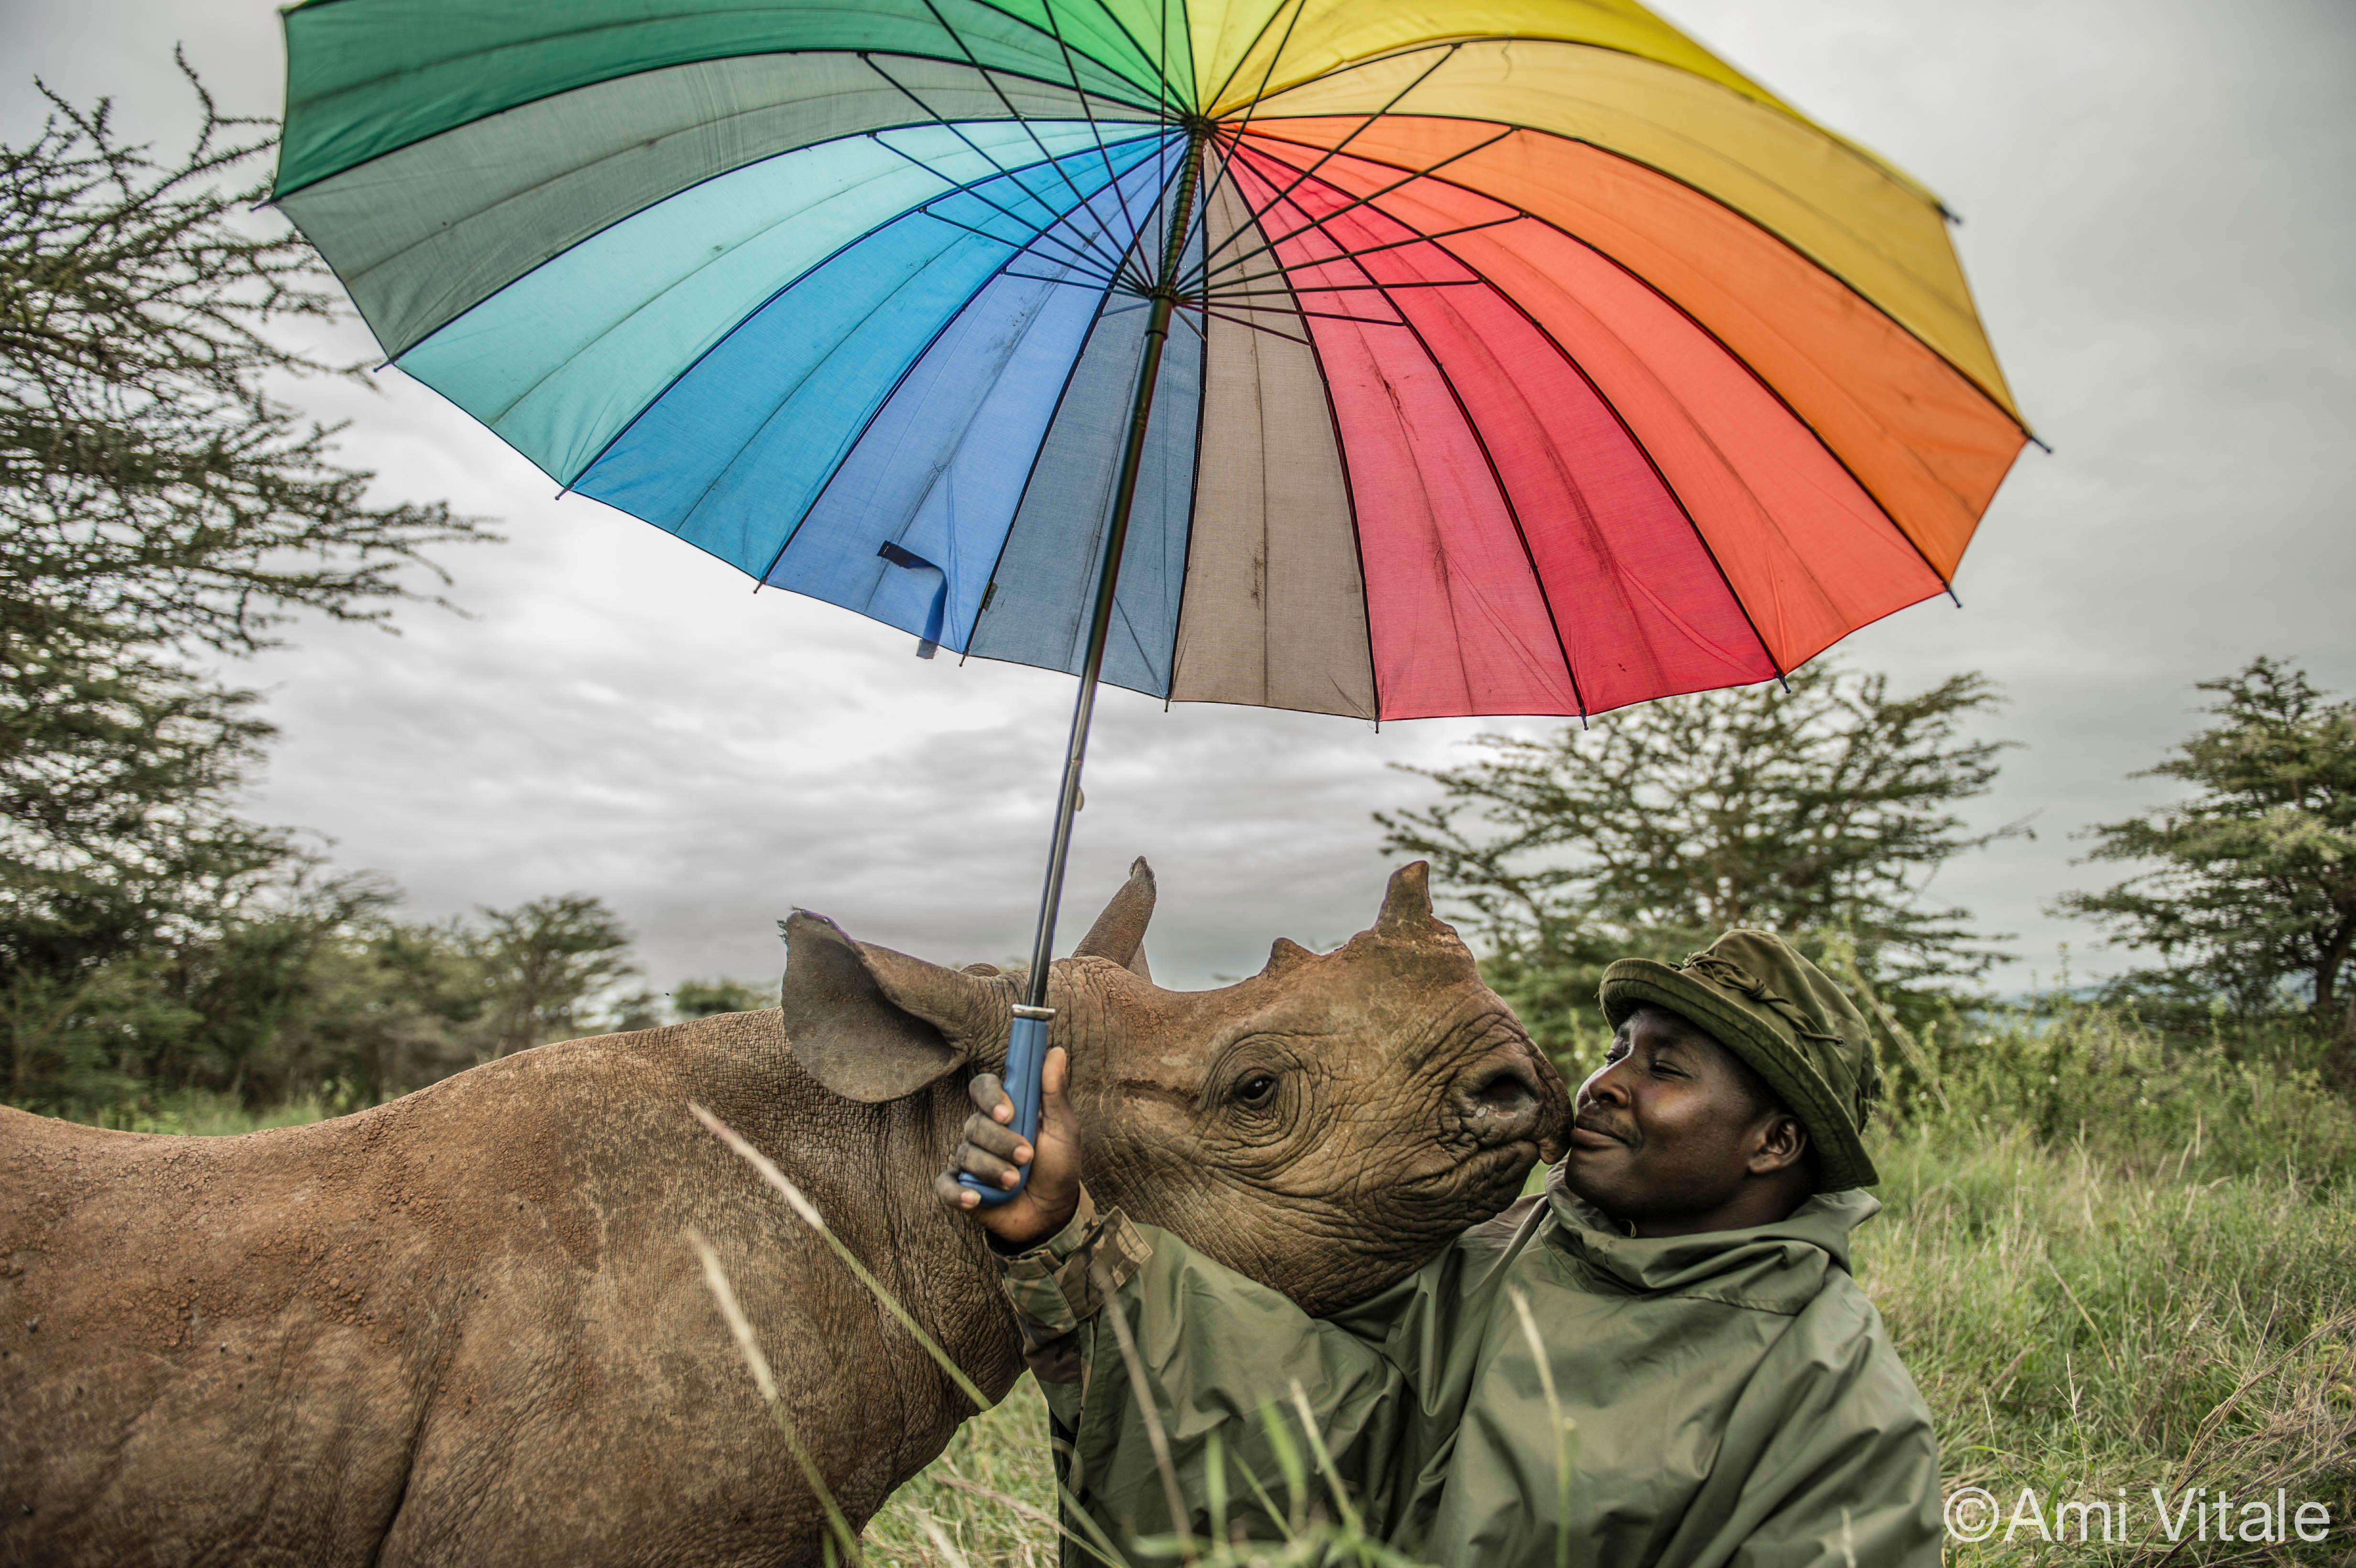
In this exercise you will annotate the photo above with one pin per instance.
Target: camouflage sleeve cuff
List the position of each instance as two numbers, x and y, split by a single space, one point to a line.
1060 1284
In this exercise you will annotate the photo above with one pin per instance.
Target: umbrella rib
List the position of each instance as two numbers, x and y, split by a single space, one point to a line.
1229 80
1046 433
1488 458
877 411
999 94
1034 231
1406 179
1090 281
1282 269
1087 268
1446 56
1259 326
1120 31
1160 75
1725 348
1255 327
1227 155
1162 68
1225 297
959 133
1297 309
1094 129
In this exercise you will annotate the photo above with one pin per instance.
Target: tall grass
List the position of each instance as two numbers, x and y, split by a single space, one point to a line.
2114 1259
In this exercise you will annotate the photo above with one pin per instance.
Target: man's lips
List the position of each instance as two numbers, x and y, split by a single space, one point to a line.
1586 1134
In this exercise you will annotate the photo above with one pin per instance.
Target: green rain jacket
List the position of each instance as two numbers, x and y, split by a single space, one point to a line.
1736 1397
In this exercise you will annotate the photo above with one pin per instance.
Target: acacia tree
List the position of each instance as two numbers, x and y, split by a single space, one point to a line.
2253 892
158 507
1820 812
545 961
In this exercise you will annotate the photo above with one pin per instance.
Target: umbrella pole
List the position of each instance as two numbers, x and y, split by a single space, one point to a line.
1026 1042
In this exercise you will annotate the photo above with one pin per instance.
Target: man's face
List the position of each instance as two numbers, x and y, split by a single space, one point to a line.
1667 1131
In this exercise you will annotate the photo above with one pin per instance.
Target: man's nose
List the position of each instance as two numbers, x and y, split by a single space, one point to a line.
1604 1087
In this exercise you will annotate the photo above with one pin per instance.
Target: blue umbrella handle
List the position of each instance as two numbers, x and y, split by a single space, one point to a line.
1026 1054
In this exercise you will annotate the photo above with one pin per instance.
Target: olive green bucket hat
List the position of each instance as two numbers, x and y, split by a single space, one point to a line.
1798 1030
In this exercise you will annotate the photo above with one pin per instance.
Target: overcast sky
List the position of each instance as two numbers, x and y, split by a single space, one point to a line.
2159 231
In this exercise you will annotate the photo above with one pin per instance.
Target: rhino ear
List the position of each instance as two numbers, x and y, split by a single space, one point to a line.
1119 933
872 1024
1407 904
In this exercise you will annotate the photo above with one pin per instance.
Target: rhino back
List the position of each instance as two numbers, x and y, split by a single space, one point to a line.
460 1326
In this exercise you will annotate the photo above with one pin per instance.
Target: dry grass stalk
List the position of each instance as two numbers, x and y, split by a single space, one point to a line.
799 1202
762 1379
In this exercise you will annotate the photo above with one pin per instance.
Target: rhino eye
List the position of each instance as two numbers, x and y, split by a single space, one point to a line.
1256 1091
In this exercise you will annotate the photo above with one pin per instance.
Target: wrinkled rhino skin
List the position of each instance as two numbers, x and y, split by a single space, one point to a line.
464 1327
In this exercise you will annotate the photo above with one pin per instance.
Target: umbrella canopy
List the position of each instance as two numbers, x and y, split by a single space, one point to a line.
1468 356
1394 360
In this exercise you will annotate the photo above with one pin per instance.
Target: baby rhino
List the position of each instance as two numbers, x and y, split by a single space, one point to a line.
464 1327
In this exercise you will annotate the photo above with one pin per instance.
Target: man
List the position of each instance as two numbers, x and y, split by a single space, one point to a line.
1733 1396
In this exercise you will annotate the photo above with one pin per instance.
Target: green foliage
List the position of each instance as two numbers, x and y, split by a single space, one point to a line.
702 999
153 493
693 999
545 959
2253 894
158 507
2115 1260
315 991
1817 813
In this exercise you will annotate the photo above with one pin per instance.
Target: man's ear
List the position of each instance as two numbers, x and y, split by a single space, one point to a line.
874 1025
1783 1143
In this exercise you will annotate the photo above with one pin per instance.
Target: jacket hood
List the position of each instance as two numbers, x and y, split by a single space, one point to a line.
1778 1267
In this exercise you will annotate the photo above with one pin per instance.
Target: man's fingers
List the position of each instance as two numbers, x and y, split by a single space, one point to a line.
1004 1142
1052 1072
949 1190
985 1166
989 1097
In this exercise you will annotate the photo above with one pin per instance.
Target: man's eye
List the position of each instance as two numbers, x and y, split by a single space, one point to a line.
1256 1091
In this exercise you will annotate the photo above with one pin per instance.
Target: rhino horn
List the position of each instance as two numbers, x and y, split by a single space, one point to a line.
874 1025
1283 955
1120 932
1407 903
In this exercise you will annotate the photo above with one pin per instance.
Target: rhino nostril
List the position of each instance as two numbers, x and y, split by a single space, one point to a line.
1498 1103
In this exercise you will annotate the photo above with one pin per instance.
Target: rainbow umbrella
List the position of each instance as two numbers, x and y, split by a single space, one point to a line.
1383 359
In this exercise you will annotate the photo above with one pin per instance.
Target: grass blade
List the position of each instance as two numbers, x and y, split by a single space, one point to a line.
762 1379
800 1204
1324 1459
1173 1494
1564 1430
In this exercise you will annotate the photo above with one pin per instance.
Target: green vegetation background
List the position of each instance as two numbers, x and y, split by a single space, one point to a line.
2114 1258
